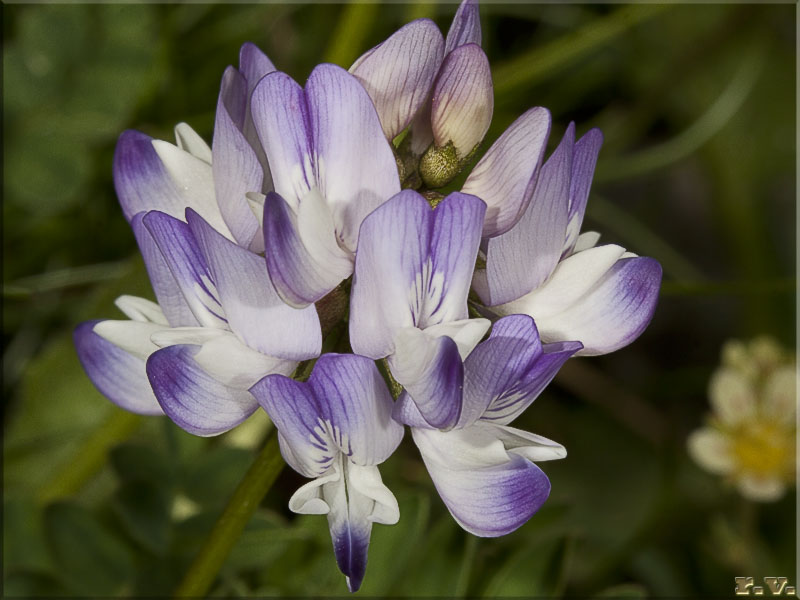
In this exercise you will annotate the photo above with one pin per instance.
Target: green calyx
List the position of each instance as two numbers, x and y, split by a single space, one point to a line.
438 166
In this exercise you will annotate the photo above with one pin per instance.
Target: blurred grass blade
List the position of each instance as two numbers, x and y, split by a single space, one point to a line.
541 62
64 278
697 134
90 457
240 508
462 583
351 33
642 240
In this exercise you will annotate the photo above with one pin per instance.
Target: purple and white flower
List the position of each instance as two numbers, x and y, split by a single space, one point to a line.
409 295
336 428
220 327
602 296
483 469
331 167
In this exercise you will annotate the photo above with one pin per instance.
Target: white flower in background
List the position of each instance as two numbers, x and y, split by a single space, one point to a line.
750 435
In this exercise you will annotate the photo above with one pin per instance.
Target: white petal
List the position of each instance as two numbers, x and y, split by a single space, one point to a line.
732 397
190 141
466 333
711 450
140 309
131 336
761 489
779 401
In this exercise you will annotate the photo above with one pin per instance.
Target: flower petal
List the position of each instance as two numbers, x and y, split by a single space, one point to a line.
298 276
254 310
355 166
280 115
131 336
733 396
761 488
141 309
466 27
466 333
463 99
584 160
506 175
190 141
488 491
118 375
780 395
188 266
431 370
399 72
613 313
712 450
193 399
356 405
167 291
236 167
521 259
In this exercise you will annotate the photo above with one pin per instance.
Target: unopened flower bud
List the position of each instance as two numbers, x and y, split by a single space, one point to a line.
438 166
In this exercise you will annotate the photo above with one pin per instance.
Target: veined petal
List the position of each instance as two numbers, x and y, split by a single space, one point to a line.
431 370
523 258
117 374
281 118
223 356
355 166
399 72
613 313
506 175
253 64
254 310
298 277
236 167
167 291
457 222
466 26
190 141
466 333
356 406
583 162
188 266
510 404
571 280
193 399
317 231
488 491
463 99
390 273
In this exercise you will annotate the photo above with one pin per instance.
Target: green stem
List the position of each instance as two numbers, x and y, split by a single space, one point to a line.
244 502
539 63
89 457
351 33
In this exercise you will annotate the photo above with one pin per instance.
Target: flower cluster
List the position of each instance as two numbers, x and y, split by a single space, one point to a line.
315 212
750 435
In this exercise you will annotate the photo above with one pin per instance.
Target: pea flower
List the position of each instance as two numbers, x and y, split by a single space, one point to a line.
602 296
331 167
483 469
409 296
336 428
219 328
750 435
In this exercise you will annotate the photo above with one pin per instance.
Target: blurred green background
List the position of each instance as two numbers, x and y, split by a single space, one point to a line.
697 104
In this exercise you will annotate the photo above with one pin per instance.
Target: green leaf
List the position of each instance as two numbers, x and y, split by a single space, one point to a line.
31 584
136 462
213 475
23 536
265 538
91 560
143 508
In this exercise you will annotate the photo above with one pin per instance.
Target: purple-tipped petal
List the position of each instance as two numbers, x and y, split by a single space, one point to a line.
521 259
166 289
457 222
489 491
355 166
466 27
253 64
613 313
281 118
431 371
506 175
583 162
387 292
188 266
118 375
463 99
140 179
300 277
398 73
253 309
354 400
507 406
193 399
236 167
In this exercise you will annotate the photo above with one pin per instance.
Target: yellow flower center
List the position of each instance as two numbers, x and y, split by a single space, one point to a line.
763 449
